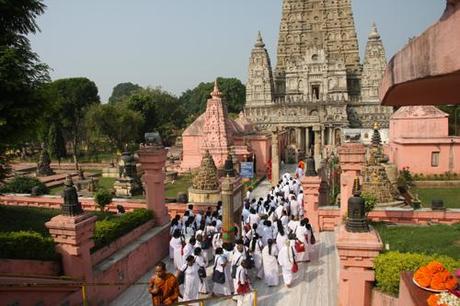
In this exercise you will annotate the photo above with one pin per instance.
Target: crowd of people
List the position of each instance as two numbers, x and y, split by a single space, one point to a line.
273 235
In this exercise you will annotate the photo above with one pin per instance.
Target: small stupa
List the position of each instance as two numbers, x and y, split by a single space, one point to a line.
376 182
129 183
44 164
205 184
206 178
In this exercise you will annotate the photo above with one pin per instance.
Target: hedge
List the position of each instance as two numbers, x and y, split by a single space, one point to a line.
26 245
109 230
24 184
388 267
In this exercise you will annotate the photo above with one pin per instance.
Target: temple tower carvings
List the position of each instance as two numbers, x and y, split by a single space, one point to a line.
318 85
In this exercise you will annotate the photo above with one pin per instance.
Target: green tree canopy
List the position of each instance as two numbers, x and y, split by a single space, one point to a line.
116 122
161 111
122 91
21 74
233 91
71 99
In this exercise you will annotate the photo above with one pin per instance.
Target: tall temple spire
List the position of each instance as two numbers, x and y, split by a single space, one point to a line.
216 93
374 34
327 25
374 66
259 88
259 43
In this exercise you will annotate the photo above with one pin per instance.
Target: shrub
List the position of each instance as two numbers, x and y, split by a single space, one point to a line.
388 267
26 245
103 198
369 202
109 230
24 184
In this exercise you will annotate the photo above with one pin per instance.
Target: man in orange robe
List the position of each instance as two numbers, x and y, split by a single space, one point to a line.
163 286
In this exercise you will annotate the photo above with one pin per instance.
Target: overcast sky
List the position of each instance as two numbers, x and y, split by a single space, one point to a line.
177 44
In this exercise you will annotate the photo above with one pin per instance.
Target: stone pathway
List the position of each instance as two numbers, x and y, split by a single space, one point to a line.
316 283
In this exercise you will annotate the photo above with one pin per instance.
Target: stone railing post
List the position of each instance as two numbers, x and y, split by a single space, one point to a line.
73 237
352 157
228 211
275 157
153 160
311 188
356 253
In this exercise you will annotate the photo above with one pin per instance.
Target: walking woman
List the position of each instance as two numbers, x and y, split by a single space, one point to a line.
191 279
222 265
270 263
286 259
200 261
177 244
244 288
255 248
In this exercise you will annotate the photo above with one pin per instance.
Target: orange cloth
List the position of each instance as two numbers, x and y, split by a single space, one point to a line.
168 292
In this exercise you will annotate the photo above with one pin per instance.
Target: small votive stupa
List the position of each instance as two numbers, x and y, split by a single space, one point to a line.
375 179
205 184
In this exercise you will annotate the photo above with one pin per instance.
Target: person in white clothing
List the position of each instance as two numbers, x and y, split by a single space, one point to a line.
188 249
191 280
281 236
200 261
294 205
177 244
286 259
244 287
270 263
302 236
300 201
222 265
255 248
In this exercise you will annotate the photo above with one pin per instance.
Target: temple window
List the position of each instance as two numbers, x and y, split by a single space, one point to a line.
315 92
434 159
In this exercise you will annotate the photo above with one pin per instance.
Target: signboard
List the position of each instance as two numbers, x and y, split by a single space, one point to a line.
247 170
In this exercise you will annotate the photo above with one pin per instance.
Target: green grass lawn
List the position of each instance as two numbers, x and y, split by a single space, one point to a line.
180 185
106 182
434 239
450 196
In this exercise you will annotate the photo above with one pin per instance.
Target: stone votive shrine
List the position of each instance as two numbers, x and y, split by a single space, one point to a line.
44 164
205 184
128 184
375 178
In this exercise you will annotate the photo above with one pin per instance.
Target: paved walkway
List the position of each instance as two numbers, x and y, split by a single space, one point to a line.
316 283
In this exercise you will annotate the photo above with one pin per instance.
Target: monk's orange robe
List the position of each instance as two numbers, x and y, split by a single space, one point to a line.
168 292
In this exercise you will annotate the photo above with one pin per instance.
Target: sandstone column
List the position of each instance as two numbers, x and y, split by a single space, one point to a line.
72 235
275 158
352 156
153 159
228 211
311 185
317 147
356 253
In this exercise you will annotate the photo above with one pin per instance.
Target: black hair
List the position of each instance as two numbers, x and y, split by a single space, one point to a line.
303 222
162 265
219 251
176 233
197 251
280 227
192 240
270 243
190 206
252 211
190 258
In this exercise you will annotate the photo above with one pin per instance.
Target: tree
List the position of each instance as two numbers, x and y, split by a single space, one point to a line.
161 111
233 91
56 142
73 97
119 124
21 75
122 91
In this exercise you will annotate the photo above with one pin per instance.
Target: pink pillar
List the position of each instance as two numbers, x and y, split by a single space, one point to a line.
356 253
72 235
352 157
153 159
311 186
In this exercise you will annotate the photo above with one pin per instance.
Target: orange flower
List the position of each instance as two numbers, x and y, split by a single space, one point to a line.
439 280
423 277
435 267
433 300
451 282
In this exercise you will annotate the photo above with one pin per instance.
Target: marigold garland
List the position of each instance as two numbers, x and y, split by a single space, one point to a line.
435 276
